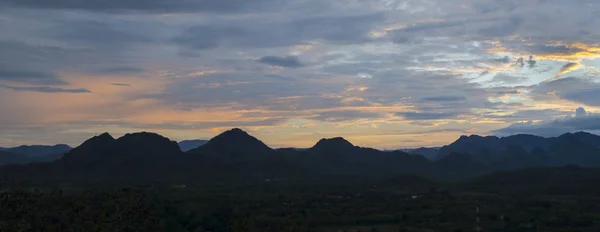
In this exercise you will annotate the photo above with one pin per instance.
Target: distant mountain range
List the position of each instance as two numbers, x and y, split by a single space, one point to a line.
187 145
33 153
235 155
428 152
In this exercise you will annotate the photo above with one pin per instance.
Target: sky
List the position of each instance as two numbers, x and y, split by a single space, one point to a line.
380 73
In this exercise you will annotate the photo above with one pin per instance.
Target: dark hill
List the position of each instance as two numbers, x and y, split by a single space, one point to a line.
234 142
39 151
12 158
522 151
336 145
137 156
484 147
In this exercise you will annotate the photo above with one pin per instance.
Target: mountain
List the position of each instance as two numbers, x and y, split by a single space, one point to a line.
484 147
12 158
234 142
339 156
93 148
188 145
430 153
236 156
39 151
135 156
33 153
333 145
458 166
522 151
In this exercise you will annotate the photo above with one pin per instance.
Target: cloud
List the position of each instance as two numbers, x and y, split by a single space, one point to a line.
576 89
30 77
285 61
107 35
426 115
444 98
269 33
504 78
580 112
345 115
567 68
580 122
145 6
423 59
44 89
120 70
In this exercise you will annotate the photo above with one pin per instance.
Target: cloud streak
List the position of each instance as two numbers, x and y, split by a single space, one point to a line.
285 61
44 89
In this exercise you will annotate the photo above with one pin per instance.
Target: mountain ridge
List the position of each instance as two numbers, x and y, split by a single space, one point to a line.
236 155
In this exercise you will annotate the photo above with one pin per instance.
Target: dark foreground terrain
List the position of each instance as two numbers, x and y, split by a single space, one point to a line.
234 182
501 201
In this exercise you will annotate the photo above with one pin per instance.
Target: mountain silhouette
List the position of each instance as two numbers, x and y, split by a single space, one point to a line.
34 153
134 156
96 146
521 151
430 153
38 151
333 145
235 155
12 158
474 144
188 145
234 142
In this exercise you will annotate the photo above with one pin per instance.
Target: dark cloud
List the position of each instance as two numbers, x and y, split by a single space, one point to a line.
265 34
579 122
431 26
566 68
526 115
144 6
285 61
98 34
504 60
503 28
30 77
121 84
580 112
444 98
426 115
45 89
541 49
178 125
530 62
120 70
345 115
576 89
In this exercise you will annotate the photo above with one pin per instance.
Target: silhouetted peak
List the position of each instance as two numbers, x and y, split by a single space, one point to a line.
61 146
577 135
234 141
338 143
143 136
147 142
234 133
103 139
474 138
583 133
